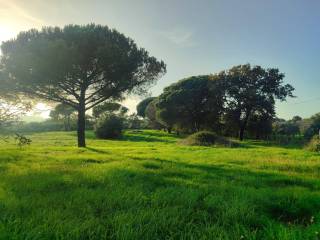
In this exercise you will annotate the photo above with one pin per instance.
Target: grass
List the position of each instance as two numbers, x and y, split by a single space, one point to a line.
147 186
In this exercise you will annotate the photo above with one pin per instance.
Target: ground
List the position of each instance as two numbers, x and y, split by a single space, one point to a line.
148 186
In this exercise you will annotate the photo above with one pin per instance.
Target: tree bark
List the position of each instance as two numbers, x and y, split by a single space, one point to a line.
244 125
241 132
81 125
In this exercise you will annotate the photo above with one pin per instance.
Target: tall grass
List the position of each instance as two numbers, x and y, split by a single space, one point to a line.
147 186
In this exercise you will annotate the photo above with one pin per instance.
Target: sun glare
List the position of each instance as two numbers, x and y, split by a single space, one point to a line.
6 33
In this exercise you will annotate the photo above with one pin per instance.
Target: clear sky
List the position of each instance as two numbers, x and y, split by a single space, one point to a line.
199 36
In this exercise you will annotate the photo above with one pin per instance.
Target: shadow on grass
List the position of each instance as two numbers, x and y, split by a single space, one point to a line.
204 194
289 145
97 150
144 138
149 136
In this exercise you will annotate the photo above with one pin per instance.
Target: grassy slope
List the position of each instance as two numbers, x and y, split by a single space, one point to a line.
149 187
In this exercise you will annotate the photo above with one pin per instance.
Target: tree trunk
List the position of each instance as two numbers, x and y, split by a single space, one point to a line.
244 125
68 123
241 132
81 125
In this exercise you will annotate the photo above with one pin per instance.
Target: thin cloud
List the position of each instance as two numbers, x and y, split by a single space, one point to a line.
15 11
179 36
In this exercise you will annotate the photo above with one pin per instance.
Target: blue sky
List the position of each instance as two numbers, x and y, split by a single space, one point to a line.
200 37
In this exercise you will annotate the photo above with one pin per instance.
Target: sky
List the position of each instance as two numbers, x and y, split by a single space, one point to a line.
195 37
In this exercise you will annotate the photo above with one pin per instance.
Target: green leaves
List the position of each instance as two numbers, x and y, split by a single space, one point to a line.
81 66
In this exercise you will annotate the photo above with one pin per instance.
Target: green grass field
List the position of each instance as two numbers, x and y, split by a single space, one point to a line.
148 186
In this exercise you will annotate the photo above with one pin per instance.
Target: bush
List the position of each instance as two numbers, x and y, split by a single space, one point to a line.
109 127
314 144
206 138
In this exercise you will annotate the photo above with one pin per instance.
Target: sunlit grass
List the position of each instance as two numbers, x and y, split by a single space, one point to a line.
148 186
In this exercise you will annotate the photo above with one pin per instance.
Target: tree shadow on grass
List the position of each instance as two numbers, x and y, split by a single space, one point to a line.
160 185
203 194
145 138
260 143
276 197
97 150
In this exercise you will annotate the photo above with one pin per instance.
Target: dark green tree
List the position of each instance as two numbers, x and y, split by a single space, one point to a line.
141 107
286 128
314 127
151 115
63 112
253 91
81 66
192 104
108 108
296 119
260 126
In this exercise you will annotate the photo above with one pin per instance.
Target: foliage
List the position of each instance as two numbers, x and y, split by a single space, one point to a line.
142 106
288 128
151 115
65 113
12 108
194 103
206 138
48 125
259 126
134 122
109 127
22 140
314 144
147 186
314 126
108 108
233 102
252 91
81 66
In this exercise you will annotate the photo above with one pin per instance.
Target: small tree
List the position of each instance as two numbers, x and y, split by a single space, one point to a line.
81 66
109 126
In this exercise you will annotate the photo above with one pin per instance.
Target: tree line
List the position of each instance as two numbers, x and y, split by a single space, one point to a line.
233 102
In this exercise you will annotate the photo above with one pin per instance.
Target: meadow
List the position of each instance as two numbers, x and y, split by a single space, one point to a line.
149 186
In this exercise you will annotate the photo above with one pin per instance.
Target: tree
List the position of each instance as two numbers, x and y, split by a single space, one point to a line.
296 119
63 112
287 128
259 126
11 109
253 91
141 107
314 126
151 115
134 122
81 66
109 107
12 106
192 104
109 126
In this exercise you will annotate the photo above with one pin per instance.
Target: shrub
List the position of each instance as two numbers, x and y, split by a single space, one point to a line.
206 138
314 144
109 127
